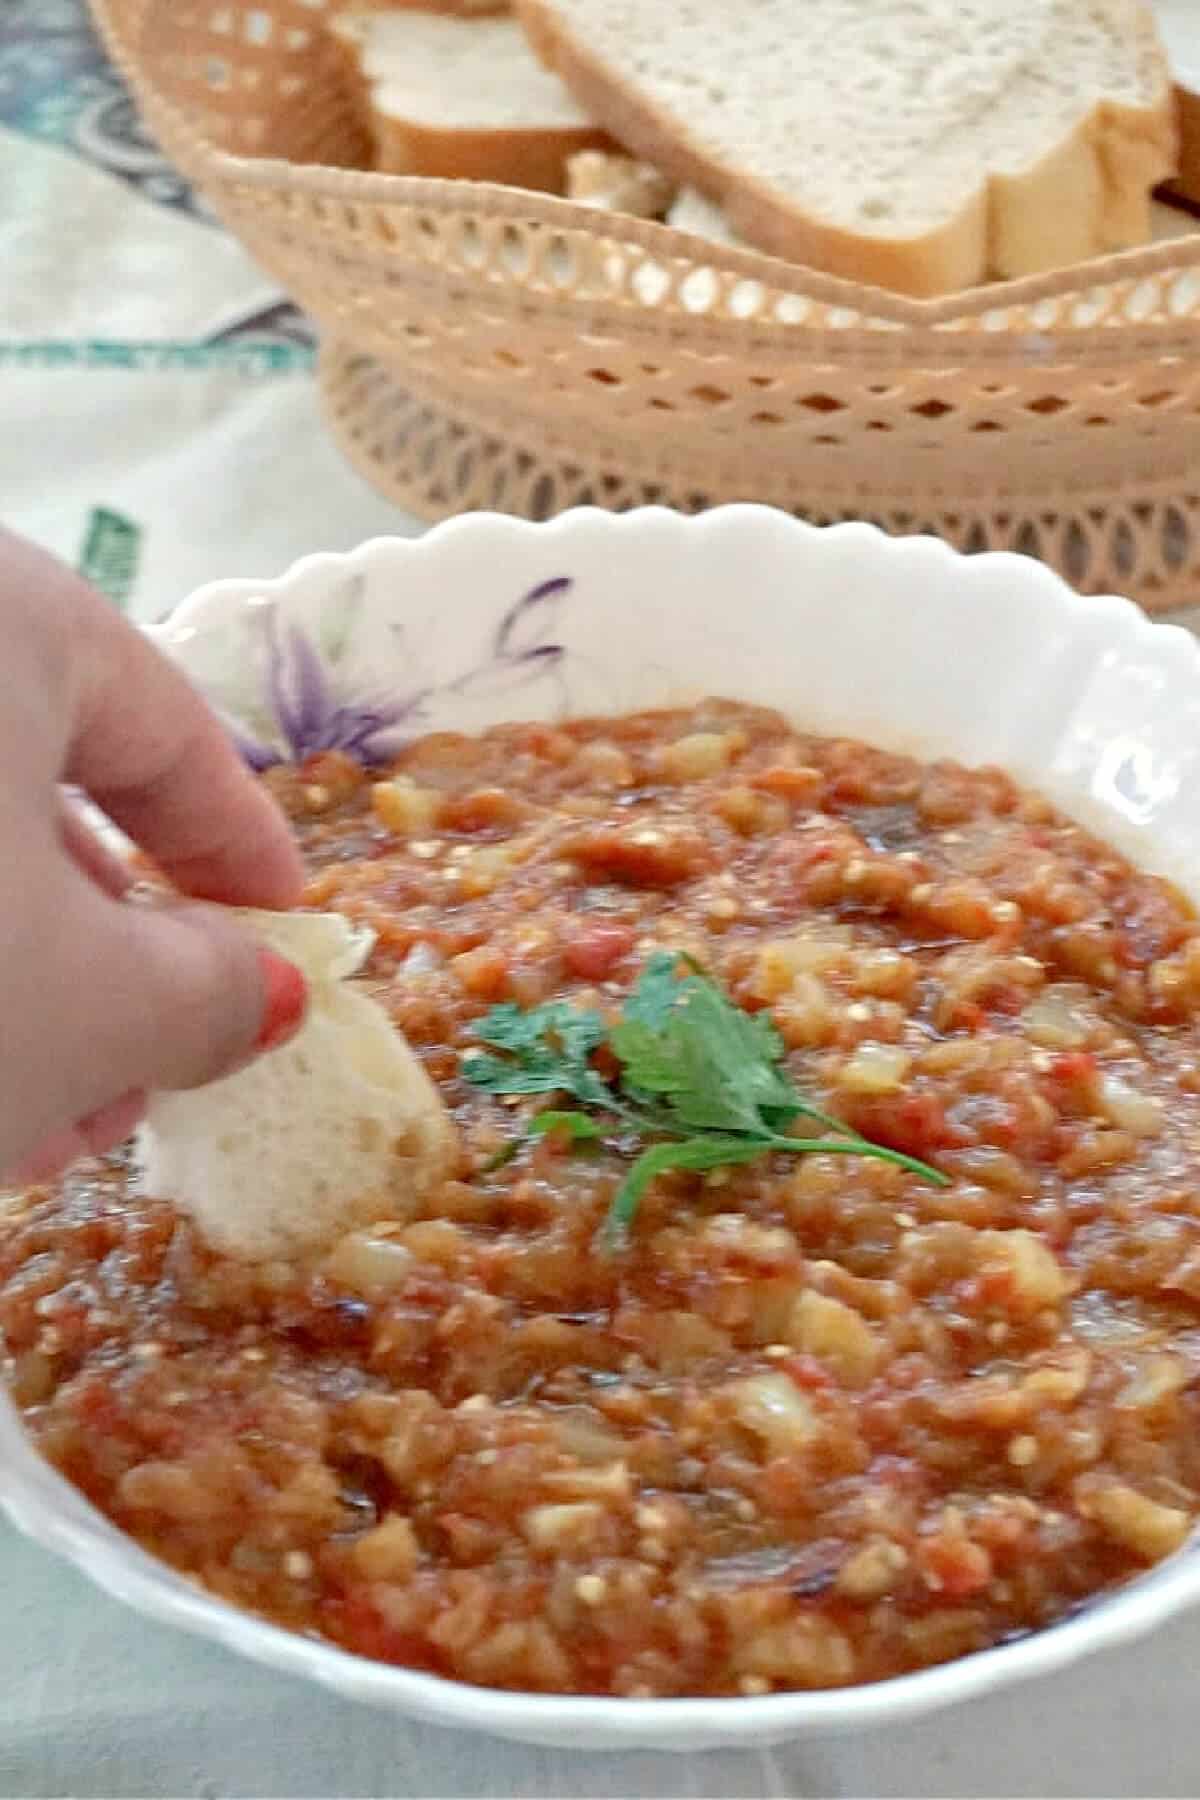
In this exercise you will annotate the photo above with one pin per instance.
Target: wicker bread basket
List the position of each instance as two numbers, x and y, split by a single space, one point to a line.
490 348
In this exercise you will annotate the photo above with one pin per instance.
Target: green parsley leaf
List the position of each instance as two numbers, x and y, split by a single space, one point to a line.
580 1128
544 1051
656 991
718 1067
701 1077
695 1153
713 1065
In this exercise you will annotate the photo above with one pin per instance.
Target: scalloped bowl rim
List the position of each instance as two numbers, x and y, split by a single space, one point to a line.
48 1510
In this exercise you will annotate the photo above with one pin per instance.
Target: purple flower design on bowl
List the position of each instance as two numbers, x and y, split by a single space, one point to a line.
313 707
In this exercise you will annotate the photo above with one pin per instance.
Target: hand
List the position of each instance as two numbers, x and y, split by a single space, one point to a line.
102 1001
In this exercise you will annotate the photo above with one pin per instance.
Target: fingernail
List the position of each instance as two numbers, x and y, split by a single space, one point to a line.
285 1003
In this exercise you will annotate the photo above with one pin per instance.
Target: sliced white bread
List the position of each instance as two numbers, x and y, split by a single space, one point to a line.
1172 221
700 217
454 9
461 98
1179 22
614 183
919 145
1189 143
337 1129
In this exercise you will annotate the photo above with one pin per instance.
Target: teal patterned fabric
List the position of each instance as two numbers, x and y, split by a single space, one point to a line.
58 86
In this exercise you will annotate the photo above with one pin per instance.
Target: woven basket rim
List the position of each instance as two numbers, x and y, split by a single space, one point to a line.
1178 256
536 435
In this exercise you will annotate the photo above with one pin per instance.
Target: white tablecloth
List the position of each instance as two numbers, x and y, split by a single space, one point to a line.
152 385
94 1701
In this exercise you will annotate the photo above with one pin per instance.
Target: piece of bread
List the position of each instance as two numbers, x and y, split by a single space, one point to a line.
1189 142
700 217
615 183
1179 22
461 98
1172 221
453 9
339 1128
918 145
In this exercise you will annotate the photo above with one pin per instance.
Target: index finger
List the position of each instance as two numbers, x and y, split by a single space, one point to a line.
148 750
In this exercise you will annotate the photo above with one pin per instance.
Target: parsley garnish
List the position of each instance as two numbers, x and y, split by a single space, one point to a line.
698 1076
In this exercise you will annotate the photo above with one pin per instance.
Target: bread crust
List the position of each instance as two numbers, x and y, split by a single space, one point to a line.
1089 193
1189 144
513 156
618 184
453 9
534 158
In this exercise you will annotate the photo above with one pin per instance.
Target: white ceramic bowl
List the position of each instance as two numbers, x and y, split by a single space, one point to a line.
904 643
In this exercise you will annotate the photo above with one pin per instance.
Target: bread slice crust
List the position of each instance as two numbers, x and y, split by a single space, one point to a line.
529 153
1086 193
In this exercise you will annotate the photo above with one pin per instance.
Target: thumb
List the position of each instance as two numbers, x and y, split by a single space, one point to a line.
173 996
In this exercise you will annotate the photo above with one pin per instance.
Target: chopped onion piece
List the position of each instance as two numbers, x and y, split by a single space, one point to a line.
774 1410
1129 1109
1055 1019
876 1069
422 959
581 1436
368 1264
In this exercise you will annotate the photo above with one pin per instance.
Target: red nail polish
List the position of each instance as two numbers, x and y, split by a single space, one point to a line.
285 1001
